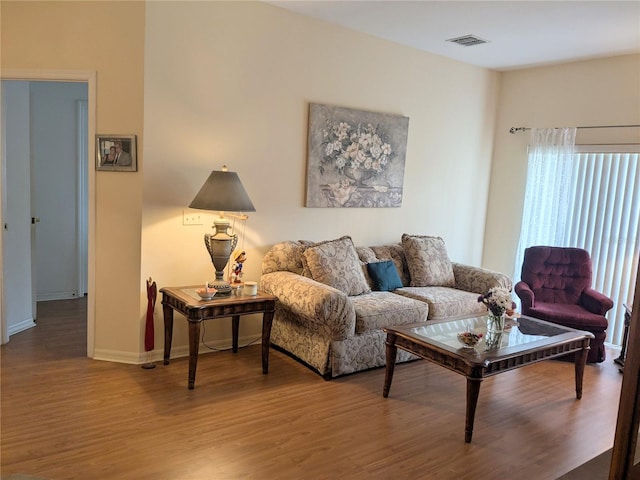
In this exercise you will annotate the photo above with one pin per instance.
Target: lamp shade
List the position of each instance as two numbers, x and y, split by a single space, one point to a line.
223 192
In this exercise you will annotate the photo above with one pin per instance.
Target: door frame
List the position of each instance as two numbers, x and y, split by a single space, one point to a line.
88 77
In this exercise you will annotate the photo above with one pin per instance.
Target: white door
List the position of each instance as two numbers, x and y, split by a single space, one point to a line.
16 203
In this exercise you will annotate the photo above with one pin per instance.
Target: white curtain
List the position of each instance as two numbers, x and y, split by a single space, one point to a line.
549 190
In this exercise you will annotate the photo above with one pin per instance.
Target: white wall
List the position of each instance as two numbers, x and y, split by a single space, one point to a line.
596 92
55 181
230 83
16 202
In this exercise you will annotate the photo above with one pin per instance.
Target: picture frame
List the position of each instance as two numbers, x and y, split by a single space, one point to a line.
116 153
356 158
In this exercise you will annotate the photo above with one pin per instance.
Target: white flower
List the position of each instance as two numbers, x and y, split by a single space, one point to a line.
497 300
375 150
352 149
328 150
365 140
343 131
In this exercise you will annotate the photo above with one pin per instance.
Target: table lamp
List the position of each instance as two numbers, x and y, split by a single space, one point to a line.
222 192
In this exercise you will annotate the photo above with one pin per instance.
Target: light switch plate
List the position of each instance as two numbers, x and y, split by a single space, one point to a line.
191 218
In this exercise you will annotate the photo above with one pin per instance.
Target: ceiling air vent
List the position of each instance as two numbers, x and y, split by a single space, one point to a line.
467 40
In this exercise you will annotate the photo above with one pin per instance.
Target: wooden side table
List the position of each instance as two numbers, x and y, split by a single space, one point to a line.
625 337
185 300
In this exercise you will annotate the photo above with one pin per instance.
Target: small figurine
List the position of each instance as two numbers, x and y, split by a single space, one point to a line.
237 267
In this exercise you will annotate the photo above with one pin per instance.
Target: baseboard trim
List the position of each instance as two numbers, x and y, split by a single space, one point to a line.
157 355
21 326
45 297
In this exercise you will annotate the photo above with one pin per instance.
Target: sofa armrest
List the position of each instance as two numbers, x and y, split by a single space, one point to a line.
526 295
595 301
324 309
479 280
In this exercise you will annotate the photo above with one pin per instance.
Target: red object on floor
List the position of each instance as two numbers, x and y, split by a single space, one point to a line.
152 292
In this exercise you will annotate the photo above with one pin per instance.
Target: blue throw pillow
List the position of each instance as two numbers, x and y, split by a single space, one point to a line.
384 276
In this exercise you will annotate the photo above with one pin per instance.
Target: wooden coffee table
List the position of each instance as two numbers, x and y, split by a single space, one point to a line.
524 341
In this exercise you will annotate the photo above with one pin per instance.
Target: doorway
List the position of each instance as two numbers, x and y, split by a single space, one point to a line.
57 163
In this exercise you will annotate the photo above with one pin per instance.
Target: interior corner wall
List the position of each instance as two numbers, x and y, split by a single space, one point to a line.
108 38
594 92
231 83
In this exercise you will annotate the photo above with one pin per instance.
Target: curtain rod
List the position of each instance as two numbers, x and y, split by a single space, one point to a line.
522 129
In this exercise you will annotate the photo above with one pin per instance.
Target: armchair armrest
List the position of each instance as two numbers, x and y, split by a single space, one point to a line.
479 280
324 309
526 295
595 301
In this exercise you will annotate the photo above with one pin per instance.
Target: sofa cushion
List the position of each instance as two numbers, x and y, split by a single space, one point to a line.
377 310
445 302
393 252
384 276
428 261
283 257
335 263
572 316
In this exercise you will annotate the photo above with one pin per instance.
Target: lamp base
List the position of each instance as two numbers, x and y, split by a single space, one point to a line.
222 287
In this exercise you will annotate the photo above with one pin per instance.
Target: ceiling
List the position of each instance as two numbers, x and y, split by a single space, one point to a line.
519 34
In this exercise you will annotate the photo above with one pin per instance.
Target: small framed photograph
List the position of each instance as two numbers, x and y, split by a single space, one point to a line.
116 153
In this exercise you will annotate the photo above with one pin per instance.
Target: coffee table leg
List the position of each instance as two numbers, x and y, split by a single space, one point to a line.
267 320
473 392
168 331
581 361
391 351
194 341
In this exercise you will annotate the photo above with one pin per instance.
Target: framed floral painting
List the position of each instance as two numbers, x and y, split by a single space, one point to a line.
355 157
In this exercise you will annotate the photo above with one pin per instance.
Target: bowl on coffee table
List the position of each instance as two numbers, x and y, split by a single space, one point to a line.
469 339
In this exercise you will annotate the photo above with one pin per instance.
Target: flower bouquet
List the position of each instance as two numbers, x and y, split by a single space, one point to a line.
497 300
358 152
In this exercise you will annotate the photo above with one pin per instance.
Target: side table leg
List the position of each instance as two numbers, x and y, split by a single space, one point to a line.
580 362
235 327
267 320
473 392
194 341
391 351
625 338
168 331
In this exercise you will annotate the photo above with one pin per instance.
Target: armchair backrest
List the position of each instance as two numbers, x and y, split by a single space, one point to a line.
557 274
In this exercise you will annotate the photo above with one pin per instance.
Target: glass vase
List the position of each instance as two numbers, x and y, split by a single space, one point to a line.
493 340
495 323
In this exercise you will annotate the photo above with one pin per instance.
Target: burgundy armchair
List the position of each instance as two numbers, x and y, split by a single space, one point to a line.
556 287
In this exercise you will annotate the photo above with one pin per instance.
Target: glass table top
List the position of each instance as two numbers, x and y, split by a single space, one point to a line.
518 332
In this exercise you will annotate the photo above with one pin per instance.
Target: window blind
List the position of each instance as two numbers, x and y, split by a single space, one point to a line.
604 220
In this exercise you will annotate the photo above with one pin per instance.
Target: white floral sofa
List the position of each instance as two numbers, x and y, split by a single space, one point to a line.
333 302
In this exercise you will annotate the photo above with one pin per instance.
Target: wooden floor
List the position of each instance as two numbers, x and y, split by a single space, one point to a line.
64 416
